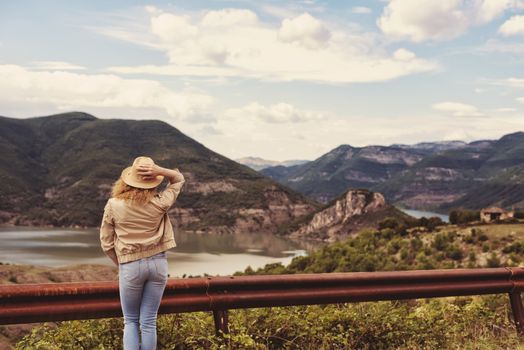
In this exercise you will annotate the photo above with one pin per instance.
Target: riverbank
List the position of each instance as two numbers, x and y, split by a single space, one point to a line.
25 274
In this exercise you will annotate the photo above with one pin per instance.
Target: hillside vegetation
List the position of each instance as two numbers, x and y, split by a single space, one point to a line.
445 323
58 170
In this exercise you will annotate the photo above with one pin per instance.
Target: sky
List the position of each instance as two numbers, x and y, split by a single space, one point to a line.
273 79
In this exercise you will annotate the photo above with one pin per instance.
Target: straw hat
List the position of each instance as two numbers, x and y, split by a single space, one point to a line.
131 177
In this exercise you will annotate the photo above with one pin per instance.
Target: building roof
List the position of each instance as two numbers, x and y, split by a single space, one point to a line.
493 210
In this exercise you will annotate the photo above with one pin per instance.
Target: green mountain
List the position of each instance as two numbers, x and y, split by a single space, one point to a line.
434 176
58 170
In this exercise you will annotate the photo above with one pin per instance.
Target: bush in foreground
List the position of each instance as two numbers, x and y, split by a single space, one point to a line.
451 323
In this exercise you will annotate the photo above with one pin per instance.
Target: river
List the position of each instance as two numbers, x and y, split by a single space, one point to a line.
420 213
195 254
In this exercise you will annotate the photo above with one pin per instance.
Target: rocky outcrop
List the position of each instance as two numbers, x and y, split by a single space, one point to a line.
353 211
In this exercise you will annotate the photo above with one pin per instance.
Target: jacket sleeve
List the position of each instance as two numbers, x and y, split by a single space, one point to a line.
107 234
168 197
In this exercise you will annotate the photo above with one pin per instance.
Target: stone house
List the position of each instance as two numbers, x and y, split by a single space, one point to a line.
494 213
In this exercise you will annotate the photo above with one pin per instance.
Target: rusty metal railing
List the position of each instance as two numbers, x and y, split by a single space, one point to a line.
69 301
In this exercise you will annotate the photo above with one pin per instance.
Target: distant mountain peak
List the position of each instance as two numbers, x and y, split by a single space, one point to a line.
436 145
258 163
516 136
69 115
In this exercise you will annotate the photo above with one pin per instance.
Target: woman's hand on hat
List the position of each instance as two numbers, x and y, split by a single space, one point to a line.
149 171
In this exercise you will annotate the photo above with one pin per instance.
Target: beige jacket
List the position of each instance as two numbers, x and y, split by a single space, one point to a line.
130 232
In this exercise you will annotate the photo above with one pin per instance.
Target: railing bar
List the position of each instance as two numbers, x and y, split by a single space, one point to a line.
65 301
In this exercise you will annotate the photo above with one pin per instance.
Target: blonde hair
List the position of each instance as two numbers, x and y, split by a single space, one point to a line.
135 195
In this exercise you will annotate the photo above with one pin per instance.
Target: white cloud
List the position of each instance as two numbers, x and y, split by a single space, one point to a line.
510 82
487 10
151 9
172 28
457 109
505 110
276 113
493 45
68 90
513 26
56 65
520 99
304 30
422 20
403 55
361 10
229 17
236 43
309 140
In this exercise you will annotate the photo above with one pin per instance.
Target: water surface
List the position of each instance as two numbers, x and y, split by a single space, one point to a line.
420 213
195 254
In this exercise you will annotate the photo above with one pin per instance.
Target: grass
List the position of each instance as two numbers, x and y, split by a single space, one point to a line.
493 231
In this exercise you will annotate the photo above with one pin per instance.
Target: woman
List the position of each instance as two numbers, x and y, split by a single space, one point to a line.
135 233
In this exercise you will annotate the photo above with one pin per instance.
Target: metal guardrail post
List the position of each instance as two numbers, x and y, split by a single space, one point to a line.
221 319
518 311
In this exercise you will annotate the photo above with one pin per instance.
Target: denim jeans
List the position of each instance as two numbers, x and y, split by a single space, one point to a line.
141 285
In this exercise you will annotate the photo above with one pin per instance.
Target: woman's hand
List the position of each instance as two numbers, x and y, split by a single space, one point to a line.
149 172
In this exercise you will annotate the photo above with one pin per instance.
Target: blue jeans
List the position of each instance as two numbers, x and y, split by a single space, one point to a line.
141 285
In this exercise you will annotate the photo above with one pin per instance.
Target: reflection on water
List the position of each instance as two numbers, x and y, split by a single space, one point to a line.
195 254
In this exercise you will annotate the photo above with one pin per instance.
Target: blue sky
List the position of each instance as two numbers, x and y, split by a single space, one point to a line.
275 79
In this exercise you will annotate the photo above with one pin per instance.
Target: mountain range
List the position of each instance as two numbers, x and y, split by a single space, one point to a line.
257 163
58 170
432 176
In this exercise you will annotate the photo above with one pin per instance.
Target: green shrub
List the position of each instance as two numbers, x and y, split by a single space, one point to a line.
483 237
469 239
454 252
463 216
515 247
440 242
518 214
451 323
493 261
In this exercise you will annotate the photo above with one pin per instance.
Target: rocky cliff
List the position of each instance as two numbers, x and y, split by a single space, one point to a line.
351 212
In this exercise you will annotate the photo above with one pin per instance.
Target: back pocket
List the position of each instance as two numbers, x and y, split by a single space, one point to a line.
131 271
161 268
